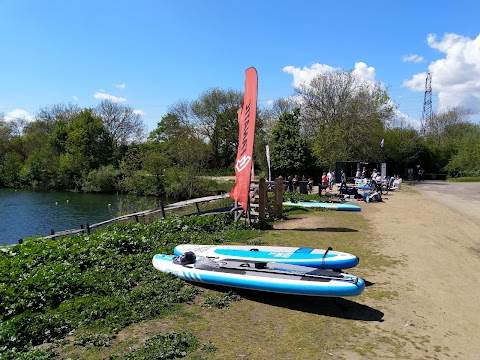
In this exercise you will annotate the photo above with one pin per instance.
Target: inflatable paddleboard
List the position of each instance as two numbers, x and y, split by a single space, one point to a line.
262 276
331 206
365 187
326 259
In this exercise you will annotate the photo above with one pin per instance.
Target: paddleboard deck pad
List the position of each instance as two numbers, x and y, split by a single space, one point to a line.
261 276
326 259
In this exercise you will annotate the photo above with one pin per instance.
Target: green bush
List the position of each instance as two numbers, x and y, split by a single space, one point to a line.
164 346
99 283
139 182
103 179
221 301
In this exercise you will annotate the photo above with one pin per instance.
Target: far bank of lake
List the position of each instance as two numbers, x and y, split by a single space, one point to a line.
28 213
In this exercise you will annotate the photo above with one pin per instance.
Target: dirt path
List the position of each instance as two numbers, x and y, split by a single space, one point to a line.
424 307
438 283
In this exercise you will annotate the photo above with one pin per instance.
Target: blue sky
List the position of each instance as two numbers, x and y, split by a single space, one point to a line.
151 54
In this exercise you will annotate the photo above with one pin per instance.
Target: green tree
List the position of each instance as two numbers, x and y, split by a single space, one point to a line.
86 146
103 179
344 116
180 141
12 153
271 115
466 159
440 128
123 122
216 115
289 151
40 169
170 127
5 135
444 135
50 115
402 147
10 169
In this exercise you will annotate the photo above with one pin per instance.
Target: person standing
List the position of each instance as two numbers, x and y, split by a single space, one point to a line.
377 181
310 185
323 183
324 180
343 179
290 183
332 179
329 178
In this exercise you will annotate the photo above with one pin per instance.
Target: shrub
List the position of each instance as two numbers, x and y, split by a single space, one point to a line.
103 179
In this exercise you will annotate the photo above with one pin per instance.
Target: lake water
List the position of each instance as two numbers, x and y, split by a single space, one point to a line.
27 213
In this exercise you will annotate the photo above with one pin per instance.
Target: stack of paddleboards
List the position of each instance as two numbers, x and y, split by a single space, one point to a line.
289 270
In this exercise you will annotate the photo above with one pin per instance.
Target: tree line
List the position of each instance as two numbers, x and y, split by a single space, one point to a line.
335 117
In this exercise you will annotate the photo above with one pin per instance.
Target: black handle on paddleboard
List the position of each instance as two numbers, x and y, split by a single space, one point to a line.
326 252
323 257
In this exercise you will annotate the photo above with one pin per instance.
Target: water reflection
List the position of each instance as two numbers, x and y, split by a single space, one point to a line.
26 213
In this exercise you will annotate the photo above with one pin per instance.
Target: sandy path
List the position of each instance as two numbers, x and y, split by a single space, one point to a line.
437 310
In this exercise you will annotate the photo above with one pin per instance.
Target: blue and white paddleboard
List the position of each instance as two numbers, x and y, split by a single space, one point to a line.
326 259
365 187
331 206
262 276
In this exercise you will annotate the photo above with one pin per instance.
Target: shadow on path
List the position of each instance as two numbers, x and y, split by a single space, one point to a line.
323 229
326 306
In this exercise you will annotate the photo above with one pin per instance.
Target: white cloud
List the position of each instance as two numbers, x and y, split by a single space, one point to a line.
138 112
456 76
306 75
413 58
120 86
104 96
269 102
75 98
402 120
364 72
18 114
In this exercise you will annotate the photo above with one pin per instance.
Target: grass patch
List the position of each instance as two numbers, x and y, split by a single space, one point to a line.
300 327
465 179
163 346
98 296
221 301
93 286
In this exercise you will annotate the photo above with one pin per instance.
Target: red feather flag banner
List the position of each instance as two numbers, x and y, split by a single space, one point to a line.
246 135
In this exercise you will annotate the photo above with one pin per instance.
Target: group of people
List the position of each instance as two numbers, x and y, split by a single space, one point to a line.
328 179
293 183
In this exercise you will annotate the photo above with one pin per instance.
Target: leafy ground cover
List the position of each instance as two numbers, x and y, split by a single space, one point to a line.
89 287
465 179
98 296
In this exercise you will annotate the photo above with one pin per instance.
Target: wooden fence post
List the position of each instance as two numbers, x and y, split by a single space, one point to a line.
278 202
238 211
262 199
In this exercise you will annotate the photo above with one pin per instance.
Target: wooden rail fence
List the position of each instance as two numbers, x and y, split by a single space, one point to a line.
260 207
162 210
